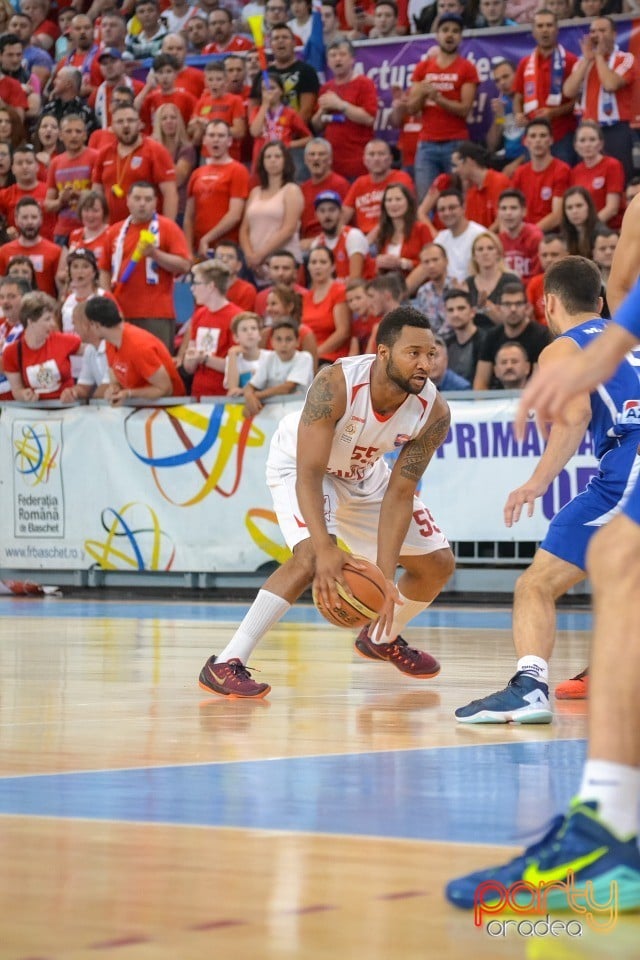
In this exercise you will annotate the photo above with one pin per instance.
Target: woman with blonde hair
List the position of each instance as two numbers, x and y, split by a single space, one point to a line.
488 276
170 131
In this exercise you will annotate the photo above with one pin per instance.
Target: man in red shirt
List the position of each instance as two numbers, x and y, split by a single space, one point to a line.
188 78
346 112
519 239
210 333
443 89
69 175
216 193
12 94
538 93
161 88
44 255
140 270
113 73
483 186
363 201
604 78
132 158
140 366
544 179
221 35
318 158
239 292
25 169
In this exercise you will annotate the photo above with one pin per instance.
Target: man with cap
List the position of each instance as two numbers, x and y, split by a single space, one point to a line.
443 90
112 68
349 245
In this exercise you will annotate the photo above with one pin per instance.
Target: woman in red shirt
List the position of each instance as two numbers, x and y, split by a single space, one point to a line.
600 175
401 236
38 365
324 307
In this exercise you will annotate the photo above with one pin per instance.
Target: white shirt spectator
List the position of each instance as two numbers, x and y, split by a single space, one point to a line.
459 248
246 369
94 369
272 371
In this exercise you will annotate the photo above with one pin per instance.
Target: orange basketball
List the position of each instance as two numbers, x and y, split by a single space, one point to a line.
367 587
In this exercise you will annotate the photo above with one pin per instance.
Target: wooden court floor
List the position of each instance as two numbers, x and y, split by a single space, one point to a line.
142 820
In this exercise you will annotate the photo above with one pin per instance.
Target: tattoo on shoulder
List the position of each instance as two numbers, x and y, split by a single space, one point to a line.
416 455
321 398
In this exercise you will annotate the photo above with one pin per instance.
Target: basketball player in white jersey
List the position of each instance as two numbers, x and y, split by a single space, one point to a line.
328 480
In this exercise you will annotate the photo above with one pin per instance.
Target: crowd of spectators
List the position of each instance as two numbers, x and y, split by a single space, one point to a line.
134 182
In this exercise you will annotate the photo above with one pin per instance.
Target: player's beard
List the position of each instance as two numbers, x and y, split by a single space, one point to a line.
409 386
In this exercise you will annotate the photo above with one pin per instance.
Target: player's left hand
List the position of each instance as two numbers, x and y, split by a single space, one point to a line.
528 493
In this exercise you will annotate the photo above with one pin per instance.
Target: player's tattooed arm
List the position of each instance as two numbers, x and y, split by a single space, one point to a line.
326 397
416 455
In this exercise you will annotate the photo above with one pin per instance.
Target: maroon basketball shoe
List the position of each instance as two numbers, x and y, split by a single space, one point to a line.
407 659
230 679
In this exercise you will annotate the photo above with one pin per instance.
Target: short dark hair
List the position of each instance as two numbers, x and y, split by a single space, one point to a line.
513 194
541 121
391 325
577 283
451 192
392 282
288 322
454 294
28 202
512 288
18 282
514 343
165 60
103 310
473 151
9 40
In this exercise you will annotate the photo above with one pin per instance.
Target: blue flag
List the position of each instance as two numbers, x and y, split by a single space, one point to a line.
314 51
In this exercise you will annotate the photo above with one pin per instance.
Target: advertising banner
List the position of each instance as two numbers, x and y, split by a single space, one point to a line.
183 488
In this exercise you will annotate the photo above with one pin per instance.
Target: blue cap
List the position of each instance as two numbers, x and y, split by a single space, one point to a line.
328 196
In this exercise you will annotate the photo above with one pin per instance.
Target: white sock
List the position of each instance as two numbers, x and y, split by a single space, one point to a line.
536 667
264 613
402 614
616 788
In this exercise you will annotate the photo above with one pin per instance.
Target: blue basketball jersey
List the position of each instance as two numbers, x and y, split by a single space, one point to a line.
615 405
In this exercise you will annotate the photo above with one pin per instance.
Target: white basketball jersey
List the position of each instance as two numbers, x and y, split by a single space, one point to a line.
362 436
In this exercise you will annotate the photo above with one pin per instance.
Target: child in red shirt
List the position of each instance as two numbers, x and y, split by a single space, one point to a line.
272 120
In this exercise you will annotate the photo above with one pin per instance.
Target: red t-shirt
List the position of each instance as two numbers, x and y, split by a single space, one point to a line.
541 186
288 127
76 172
421 234
12 94
77 239
606 176
212 187
228 107
150 161
309 226
365 197
242 294
185 102
521 252
559 125
437 124
192 80
137 297
9 197
44 256
535 296
319 316
237 44
347 138
139 356
100 139
261 299
47 370
211 331
481 203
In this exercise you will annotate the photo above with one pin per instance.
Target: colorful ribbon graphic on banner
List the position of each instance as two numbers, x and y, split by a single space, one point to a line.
222 427
36 454
134 540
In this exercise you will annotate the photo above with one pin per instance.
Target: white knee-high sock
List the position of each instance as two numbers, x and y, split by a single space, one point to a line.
402 614
264 613
616 788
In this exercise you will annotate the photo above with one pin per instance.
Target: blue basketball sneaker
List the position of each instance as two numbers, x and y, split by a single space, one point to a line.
576 849
523 700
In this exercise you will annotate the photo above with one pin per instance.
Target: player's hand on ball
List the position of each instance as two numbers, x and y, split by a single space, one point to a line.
329 564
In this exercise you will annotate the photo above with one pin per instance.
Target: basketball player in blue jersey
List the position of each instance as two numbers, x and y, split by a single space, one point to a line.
572 304
328 479
597 840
